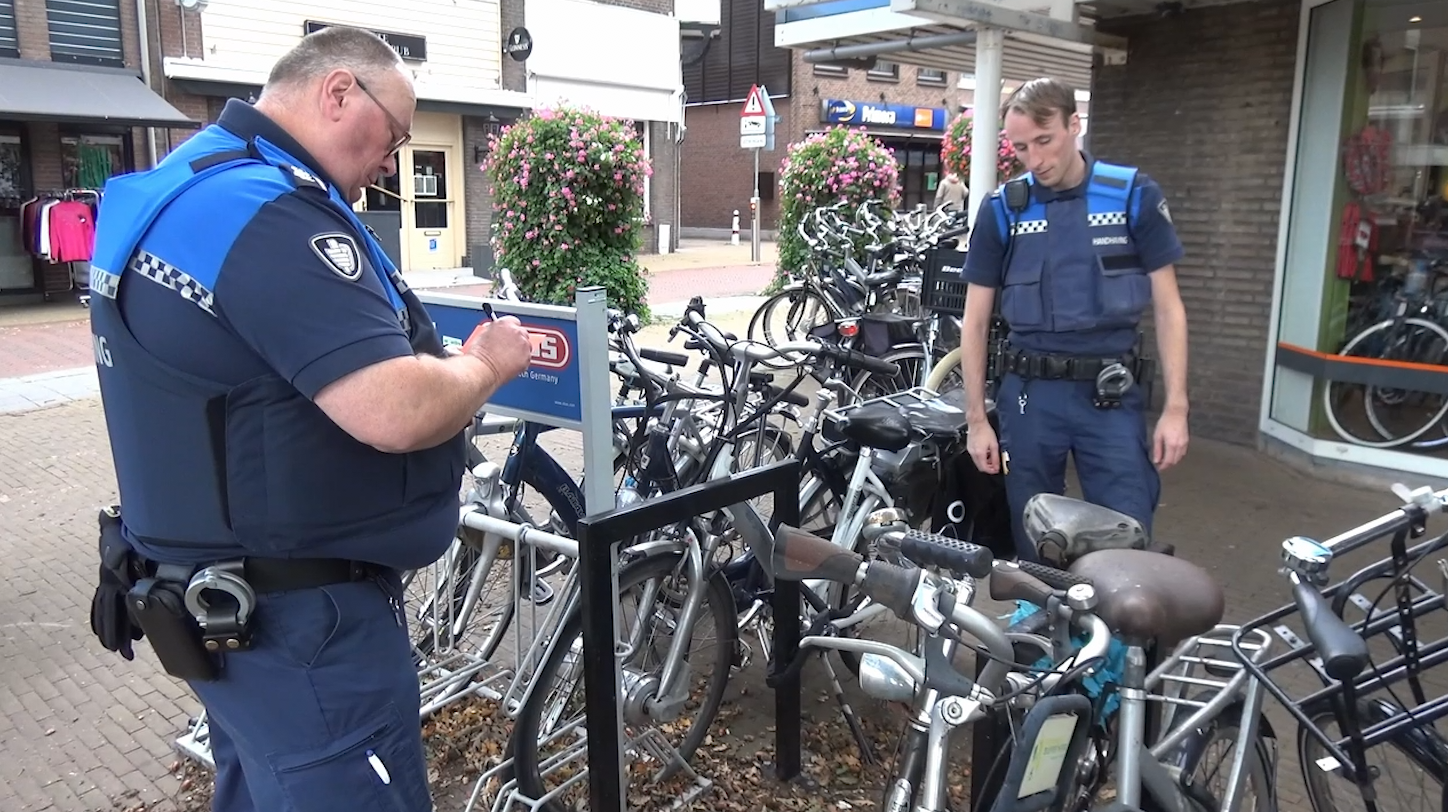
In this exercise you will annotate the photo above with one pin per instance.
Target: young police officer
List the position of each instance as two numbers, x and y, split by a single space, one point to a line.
1079 248
287 432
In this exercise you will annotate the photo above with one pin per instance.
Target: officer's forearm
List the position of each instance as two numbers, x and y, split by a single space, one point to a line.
974 333
1171 343
409 403
459 386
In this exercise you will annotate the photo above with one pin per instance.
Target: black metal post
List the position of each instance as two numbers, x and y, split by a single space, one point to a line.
598 539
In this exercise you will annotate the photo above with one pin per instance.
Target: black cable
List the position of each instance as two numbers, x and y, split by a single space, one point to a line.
1373 610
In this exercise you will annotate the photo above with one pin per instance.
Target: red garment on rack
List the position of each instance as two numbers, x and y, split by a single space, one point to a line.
72 231
1357 241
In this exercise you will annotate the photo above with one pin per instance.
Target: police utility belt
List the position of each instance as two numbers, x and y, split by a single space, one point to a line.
190 612
1114 377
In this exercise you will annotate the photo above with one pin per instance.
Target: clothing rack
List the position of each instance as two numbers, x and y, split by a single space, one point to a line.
52 283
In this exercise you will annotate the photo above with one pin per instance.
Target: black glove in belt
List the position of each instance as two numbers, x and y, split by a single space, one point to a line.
110 615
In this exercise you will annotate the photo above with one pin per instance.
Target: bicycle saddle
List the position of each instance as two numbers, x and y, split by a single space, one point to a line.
877 425
1144 596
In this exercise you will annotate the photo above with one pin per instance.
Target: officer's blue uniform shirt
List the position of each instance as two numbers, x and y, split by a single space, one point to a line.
297 302
1055 266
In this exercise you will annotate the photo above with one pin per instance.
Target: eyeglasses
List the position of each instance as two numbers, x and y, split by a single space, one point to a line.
393 125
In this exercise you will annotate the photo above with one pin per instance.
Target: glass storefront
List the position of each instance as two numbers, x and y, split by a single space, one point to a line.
1361 365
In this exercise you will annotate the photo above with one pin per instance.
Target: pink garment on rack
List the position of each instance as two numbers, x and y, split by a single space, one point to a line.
72 231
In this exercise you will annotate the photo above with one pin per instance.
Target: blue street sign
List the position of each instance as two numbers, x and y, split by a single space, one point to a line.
550 385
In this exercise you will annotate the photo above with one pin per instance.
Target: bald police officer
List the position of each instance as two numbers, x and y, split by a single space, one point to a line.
1078 248
287 432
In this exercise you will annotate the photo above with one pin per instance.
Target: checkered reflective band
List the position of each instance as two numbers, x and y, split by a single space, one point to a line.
104 282
1029 227
1110 218
162 272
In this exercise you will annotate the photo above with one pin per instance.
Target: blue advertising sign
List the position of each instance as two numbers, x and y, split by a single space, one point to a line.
551 383
904 116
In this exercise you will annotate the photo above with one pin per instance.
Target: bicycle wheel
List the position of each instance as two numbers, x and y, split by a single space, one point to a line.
1412 413
911 360
946 374
1405 779
803 310
548 710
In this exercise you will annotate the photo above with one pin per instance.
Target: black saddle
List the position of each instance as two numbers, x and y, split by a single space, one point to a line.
1145 596
890 427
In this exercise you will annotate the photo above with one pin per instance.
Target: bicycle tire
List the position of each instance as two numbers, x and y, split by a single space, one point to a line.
1315 781
910 358
797 298
1330 409
942 369
526 733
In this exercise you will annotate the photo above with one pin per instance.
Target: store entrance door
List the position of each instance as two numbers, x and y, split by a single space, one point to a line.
430 228
919 163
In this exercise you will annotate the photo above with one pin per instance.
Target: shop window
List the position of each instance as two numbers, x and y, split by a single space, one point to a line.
12 171
884 72
1362 357
930 76
388 197
87 31
9 41
429 189
87 161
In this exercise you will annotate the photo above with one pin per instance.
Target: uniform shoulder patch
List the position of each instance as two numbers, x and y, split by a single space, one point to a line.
339 252
303 177
1165 212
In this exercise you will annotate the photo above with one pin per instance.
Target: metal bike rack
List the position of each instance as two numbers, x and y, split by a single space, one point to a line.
598 540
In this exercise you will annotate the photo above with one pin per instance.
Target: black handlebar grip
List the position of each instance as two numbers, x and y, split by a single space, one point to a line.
891 586
800 555
674 359
1344 652
870 364
1054 578
1010 582
930 549
791 397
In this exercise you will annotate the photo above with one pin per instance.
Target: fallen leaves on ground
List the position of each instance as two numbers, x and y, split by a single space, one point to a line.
467 738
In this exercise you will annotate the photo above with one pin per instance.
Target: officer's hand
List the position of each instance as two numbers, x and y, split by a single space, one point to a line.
502 344
1170 442
980 441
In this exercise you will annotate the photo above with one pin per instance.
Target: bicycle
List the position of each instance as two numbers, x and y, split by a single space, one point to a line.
1340 658
1125 606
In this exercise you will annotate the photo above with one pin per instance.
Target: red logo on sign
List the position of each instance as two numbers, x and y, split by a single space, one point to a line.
550 347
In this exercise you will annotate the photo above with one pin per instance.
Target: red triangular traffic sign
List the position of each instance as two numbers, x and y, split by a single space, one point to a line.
754 105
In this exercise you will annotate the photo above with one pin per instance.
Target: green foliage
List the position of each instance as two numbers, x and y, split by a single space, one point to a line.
838 165
568 204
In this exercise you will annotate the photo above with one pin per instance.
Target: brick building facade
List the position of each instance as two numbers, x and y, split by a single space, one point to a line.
717 174
1198 95
58 61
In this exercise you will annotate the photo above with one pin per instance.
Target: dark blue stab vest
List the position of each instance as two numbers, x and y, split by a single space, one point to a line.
1075 268
208 470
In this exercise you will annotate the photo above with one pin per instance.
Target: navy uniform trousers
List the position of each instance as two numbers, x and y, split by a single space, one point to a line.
1110 447
326 703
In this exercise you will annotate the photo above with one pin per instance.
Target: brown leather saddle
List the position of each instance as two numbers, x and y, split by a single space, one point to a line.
1144 596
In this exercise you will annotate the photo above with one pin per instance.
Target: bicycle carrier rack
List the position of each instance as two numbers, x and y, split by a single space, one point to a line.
1395 624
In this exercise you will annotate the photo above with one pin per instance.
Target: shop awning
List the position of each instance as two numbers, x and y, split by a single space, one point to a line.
32 91
939 34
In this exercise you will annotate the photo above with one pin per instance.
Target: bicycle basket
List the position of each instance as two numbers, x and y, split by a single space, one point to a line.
942 290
